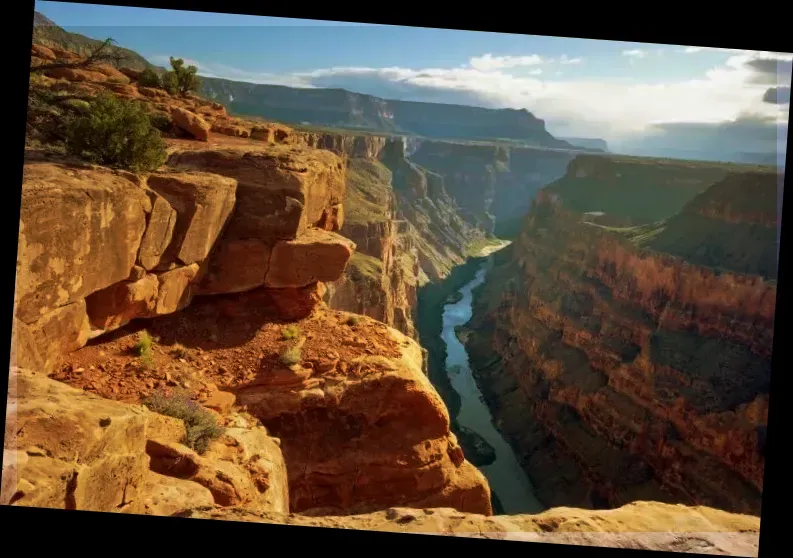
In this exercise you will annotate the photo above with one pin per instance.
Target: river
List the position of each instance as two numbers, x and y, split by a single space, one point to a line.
505 475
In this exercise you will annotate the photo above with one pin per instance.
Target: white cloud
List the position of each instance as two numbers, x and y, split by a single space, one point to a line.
565 60
635 53
581 106
490 62
765 53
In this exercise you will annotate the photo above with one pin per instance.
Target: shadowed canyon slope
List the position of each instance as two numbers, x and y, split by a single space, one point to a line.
617 362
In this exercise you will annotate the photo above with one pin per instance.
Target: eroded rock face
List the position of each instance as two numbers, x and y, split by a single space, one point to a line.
316 255
366 441
80 231
641 525
236 266
159 232
281 190
203 204
191 123
625 374
68 449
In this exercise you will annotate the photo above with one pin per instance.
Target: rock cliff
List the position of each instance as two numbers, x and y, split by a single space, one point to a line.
618 364
641 525
407 228
219 261
214 254
67 449
492 184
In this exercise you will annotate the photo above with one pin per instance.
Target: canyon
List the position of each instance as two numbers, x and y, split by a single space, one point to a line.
622 370
618 360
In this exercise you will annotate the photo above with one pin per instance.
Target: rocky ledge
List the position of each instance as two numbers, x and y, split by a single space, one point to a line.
642 525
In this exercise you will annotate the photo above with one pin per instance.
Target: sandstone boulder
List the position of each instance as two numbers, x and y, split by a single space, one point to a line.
24 347
362 441
316 255
203 203
80 230
61 331
76 74
236 266
72 449
131 72
123 90
40 51
191 123
153 92
169 495
641 525
175 289
112 74
65 55
159 232
281 190
228 128
244 468
294 303
122 302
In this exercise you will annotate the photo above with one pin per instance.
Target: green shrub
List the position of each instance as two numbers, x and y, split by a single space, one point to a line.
200 424
77 105
161 121
184 76
116 133
290 332
149 78
170 83
143 349
291 355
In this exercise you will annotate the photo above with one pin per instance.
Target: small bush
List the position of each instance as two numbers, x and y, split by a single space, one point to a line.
77 105
143 349
170 83
290 332
291 355
144 344
149 78
185 77
353 320
201 425
161 121
116 133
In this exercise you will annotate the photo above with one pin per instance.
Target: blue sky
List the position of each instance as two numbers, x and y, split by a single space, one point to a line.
267 44
581 87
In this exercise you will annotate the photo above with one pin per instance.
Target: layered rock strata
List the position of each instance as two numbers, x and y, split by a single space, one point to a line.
623 373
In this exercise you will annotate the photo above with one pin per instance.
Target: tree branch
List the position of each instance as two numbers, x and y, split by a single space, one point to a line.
101 54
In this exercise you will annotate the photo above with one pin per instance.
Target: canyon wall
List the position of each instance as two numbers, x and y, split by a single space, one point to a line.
621 372
492 184
222 254
407 228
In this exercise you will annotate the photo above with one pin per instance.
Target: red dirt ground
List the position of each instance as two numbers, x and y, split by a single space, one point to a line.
228 341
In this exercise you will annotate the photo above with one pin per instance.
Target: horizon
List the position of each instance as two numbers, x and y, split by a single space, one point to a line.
632 95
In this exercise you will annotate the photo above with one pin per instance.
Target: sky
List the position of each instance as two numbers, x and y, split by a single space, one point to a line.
622 92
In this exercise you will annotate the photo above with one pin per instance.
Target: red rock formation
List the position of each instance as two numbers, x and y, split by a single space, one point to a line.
191 123
623 374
